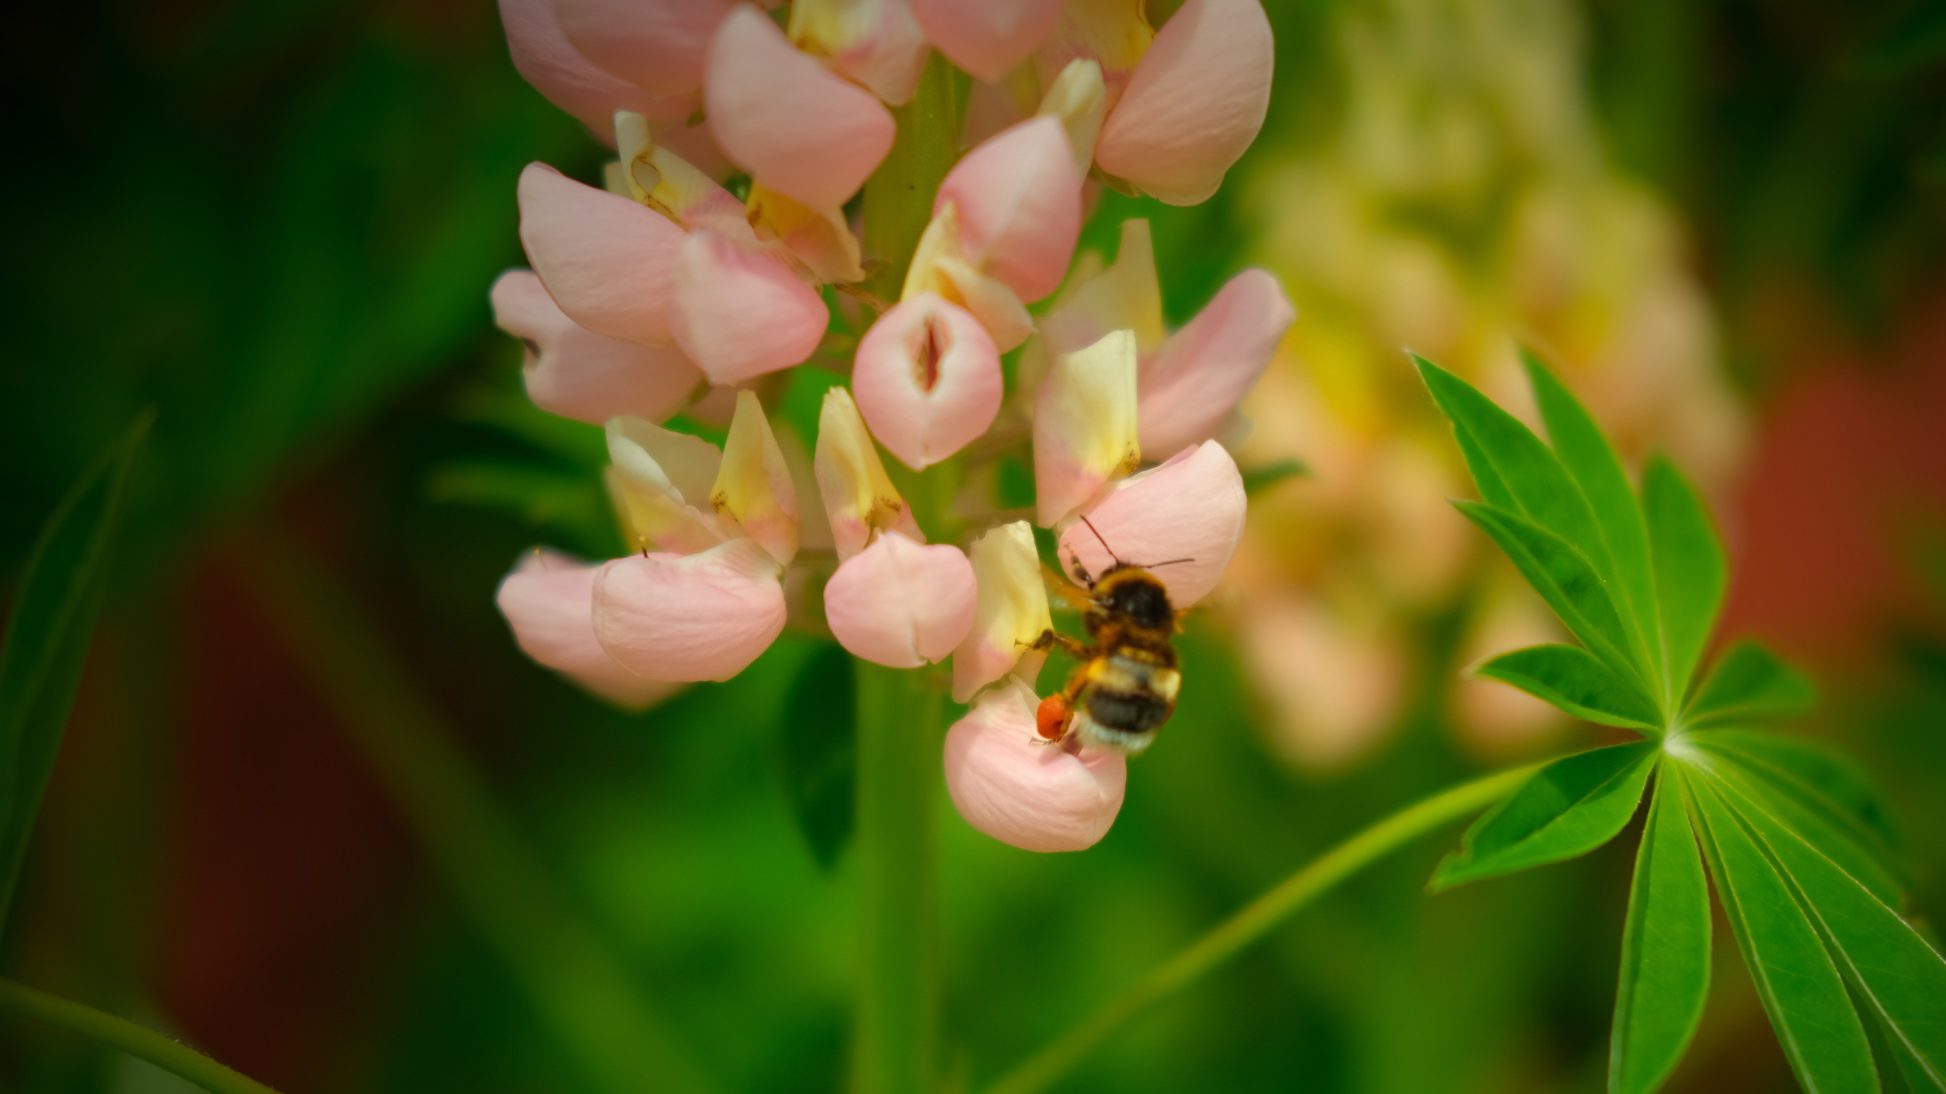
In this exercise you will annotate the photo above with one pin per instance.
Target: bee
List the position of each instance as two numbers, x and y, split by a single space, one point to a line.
1124 686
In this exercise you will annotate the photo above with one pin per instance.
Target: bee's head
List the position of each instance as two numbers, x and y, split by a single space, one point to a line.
1135 593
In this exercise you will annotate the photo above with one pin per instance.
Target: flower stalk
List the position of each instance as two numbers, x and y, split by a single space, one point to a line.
138 1041
1256 919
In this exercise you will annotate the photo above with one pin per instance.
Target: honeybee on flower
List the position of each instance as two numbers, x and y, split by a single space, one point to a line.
660 291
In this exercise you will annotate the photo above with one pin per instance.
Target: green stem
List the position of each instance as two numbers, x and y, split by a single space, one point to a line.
484 857
1254 921
139 1041
899 740
899 195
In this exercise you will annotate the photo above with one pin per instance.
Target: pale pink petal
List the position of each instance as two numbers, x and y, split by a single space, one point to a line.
1036 796
548 600
690 617
901 603
657 44
1084 426
1010 614
576 373
927 380
794 125
1190 387
606 261
546 59
876 43
1190 508
1018 199
1194 104
986 37
740 313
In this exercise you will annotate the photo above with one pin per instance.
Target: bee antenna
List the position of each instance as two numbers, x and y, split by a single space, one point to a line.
1104 543
1171 562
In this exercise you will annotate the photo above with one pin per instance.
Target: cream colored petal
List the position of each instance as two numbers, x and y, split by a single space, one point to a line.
661 482
876 43
940 267
753 486
1085 426
655 175
1113 33
1080 101
818 244
1011 611
1124 295
859 498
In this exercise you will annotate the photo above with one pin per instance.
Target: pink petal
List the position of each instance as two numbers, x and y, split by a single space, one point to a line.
1189 389
740 313
876 43
1194 104
690 617
987 37
901 603
1035 796
1018 198
1191 507
576 373
548 600
793 124
657 44
546 59
606 260
927 380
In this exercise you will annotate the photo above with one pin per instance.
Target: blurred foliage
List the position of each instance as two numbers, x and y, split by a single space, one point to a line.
275 223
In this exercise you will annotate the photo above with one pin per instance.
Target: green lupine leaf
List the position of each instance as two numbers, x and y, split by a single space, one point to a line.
1565 579
1505 449
1569 808
1689 568
1492 487
820 751
60 595
1824 780
1576 681
1749 682
1591 460
1795 976
1842 835
1899 976
1665 947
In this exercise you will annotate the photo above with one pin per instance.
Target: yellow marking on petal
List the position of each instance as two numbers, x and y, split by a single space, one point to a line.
1080 100
939 266
1115 33
817 243
662 180
753 486
858 495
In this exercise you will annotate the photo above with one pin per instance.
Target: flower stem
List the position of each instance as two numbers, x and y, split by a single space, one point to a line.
899 742
1254 921
899 195
139 1041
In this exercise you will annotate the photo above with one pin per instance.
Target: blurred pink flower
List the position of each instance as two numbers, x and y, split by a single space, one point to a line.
1011 786
927 379
901 603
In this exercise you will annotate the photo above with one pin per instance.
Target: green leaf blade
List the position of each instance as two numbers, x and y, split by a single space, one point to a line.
1592 462
1895 970
1568 808
1575 681
1664 980
1564 577
46 647
1796 979
1749 682
1690 570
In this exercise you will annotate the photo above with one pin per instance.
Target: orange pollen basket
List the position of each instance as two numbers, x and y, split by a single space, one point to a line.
1051 719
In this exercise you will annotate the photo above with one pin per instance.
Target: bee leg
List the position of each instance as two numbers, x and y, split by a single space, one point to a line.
1051 638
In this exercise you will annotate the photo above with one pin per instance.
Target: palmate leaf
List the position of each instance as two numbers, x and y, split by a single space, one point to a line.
1748 682
1901 979
1818 772
1690 571
1518 473
61 592
1569 807
1800 985
1565 579
1664 979
1572 679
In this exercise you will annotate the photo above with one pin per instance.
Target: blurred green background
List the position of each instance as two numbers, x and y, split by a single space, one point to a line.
317 815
